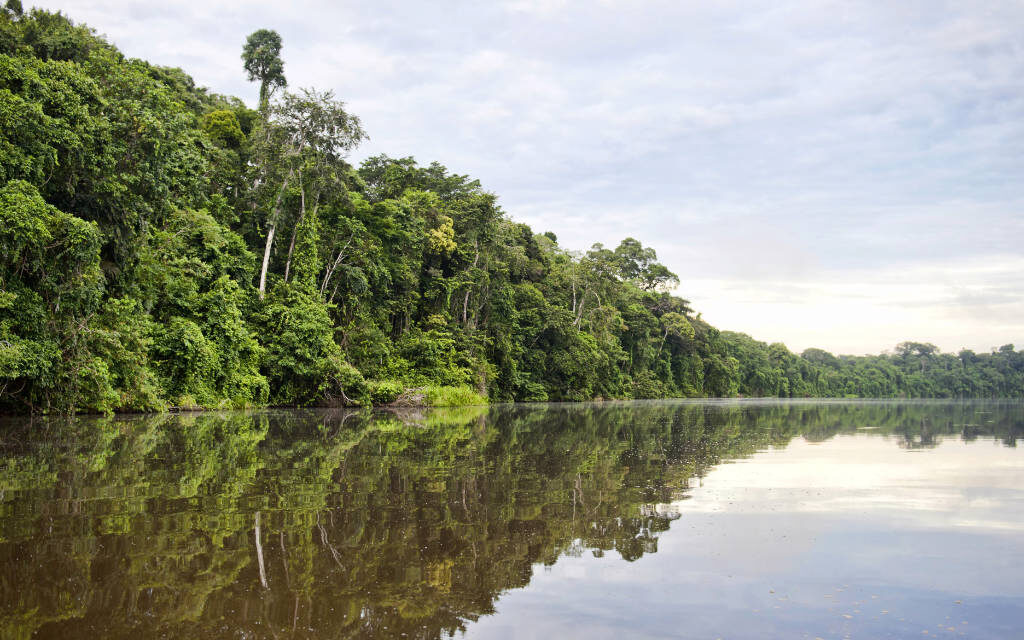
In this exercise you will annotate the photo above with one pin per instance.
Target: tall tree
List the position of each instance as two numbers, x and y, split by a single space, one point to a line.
307 137
262 57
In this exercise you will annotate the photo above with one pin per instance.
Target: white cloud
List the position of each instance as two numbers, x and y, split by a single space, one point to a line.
836 143
956 305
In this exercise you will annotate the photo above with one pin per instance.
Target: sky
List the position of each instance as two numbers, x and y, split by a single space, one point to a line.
841 175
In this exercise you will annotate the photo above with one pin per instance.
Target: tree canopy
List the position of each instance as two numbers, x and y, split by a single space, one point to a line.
165 246
261 57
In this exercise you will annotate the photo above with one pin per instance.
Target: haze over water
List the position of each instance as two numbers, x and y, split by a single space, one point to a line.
666 519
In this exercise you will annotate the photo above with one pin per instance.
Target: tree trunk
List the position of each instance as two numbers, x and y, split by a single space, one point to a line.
259 551
579 310
266 258
271 229
662 346
579 315
331 268
284 561
291 248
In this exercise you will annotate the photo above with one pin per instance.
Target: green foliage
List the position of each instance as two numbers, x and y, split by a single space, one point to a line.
441 239
461 396
164 246
203 348
52 287
261 56
223 128
414 520
122 338
302 362
384 391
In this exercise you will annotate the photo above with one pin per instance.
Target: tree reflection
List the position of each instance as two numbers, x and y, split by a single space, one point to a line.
346 524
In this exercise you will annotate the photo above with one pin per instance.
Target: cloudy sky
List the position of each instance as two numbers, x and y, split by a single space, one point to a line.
844 175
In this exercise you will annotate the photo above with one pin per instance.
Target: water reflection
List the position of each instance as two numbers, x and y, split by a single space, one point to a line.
342 524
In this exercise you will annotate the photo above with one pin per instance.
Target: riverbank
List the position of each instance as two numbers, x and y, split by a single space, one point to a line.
377 394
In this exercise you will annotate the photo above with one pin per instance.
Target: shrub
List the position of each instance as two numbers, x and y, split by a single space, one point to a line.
459 396
384 391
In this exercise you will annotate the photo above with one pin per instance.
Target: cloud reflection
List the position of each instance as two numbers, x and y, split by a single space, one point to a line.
957 484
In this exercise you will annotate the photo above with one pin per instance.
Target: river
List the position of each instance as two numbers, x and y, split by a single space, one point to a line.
661 519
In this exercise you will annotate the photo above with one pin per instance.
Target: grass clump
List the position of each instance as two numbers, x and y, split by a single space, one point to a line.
460 396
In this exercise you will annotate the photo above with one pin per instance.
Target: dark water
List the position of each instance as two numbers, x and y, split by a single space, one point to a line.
666 520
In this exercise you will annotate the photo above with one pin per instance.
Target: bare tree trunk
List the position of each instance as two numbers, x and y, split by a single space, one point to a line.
583 301
266 258
271 229
259 551
323 538
291 248
334 266
579 312
284 561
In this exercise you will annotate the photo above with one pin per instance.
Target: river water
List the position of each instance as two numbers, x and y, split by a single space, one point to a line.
664 519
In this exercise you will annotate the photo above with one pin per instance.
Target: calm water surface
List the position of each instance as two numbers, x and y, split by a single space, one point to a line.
646 520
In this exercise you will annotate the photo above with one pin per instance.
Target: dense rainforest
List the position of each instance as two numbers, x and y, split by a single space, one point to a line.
165 246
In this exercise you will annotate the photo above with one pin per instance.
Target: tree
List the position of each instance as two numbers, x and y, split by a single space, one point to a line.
14 8
922 352
307 137
50 287
164 245
639 264
262 61
677 325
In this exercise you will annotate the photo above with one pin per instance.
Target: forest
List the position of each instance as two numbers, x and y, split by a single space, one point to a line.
163 246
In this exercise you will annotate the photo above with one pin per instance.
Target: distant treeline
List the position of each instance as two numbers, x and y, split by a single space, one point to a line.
161 245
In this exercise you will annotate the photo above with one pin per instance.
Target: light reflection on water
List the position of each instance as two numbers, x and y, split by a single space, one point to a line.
655 519
851 536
